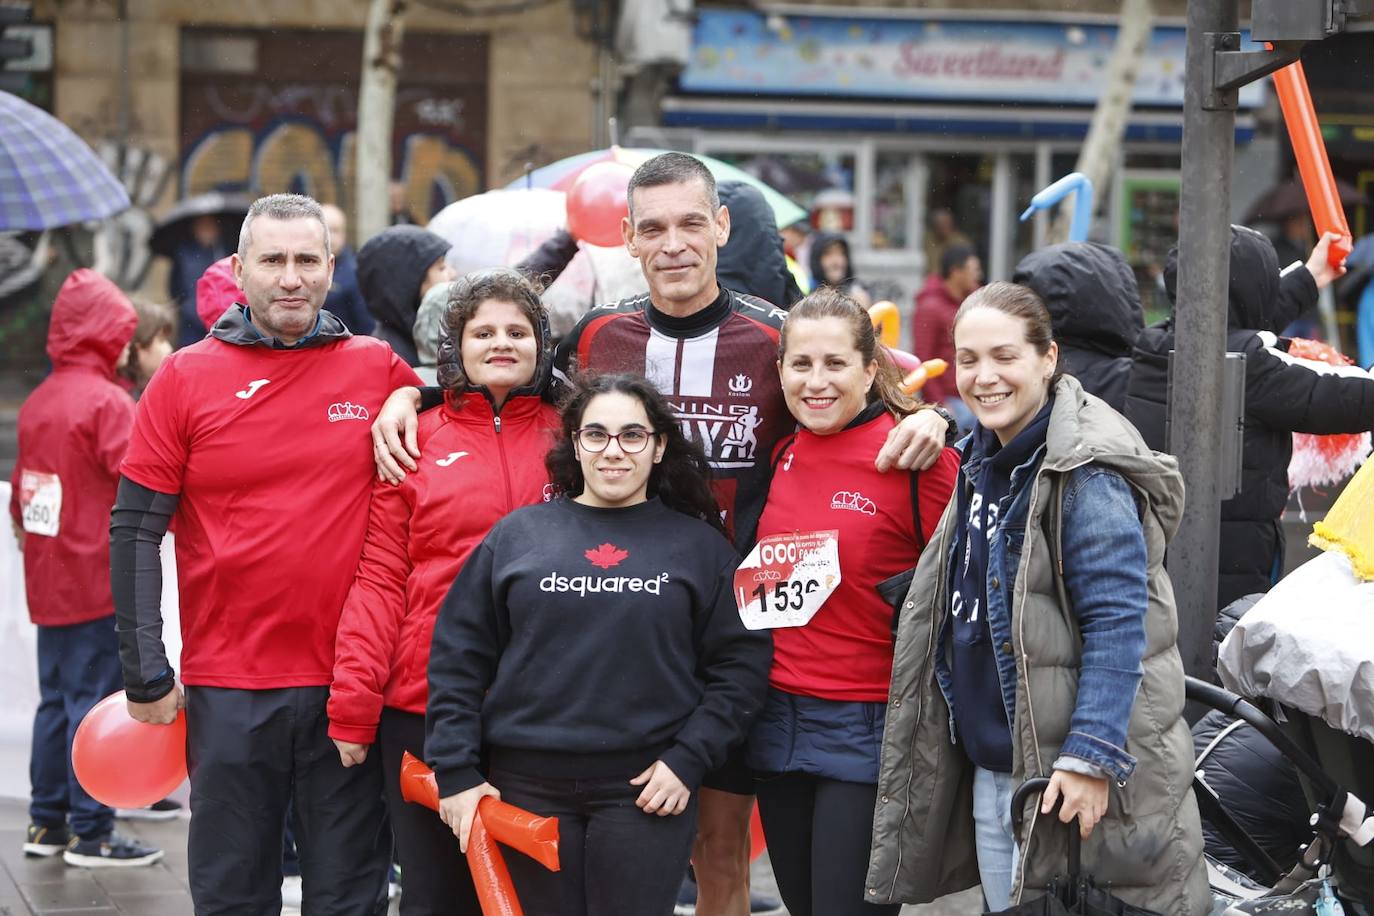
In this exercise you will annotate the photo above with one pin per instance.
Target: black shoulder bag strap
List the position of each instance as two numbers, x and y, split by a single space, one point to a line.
894 588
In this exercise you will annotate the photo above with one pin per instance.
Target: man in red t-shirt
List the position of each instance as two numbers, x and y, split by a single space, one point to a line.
255 438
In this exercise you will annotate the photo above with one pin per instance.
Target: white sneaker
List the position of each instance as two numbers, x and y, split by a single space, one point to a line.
291 892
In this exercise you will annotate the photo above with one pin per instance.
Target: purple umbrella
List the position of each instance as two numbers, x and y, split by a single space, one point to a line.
49 177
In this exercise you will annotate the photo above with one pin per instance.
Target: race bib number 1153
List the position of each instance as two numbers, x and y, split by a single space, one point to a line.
786 578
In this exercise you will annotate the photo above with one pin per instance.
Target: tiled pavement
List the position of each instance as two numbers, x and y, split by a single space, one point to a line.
48 887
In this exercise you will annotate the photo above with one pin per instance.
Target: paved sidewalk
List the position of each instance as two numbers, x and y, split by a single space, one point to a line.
47 887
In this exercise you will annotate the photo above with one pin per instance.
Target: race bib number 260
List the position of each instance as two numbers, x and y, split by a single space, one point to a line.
786 578
40 502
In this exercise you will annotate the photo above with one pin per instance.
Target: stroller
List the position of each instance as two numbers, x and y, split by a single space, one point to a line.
1338 861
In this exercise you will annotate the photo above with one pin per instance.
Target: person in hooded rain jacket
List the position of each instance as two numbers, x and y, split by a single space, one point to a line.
396 267
73 431
1282 397
1038 638
1094 302
833 265
752 260
482 457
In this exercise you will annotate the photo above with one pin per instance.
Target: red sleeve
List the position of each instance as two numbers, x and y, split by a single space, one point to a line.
934 490
370 625
402 376
160 445
112 426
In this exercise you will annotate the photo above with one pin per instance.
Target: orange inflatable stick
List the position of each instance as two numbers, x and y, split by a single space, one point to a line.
1313 165
887 321
495 892
928 370
495 821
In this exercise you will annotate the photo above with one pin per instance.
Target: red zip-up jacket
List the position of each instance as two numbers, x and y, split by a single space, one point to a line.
474 469
73 431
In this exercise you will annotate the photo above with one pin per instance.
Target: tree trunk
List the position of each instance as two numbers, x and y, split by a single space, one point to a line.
376 111
1102 146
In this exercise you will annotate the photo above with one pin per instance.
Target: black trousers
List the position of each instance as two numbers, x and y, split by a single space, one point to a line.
250 753
819 834
615 859
434 872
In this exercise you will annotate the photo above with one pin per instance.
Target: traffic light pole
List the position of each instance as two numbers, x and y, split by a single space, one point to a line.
1204 254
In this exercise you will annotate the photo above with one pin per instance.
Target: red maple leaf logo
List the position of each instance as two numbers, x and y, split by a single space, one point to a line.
606 555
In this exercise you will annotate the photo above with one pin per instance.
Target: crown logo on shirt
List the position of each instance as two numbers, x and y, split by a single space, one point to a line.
346 410
854 502
741 384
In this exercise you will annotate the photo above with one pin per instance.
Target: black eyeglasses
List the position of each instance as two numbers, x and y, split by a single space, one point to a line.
631 441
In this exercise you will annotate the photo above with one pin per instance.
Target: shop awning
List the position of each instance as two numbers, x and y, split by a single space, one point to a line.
1007 121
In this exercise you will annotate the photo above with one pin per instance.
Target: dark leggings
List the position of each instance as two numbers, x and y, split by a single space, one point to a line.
434 873
819 833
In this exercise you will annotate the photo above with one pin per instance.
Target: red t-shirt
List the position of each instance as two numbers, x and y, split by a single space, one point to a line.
271 454
829 482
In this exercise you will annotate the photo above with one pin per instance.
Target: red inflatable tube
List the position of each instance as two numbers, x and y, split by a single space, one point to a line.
1313 165
496 821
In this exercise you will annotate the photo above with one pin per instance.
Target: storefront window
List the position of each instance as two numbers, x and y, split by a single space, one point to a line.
810 179
895 174
1022 190
958 204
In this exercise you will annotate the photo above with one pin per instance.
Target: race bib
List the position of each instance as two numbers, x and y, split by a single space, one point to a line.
40 502
786 578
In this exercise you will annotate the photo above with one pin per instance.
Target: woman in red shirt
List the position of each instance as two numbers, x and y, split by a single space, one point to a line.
482 456
833 530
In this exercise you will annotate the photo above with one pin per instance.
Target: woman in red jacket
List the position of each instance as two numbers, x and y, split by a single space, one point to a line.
482 455
833 531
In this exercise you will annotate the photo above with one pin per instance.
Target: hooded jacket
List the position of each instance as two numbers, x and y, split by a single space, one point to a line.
477 465
932 336
391 267
1282 396
819 243
1094 303
217 291
73 431
752 261
1149 845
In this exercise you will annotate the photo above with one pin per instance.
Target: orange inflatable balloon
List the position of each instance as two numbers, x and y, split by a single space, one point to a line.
597 203
1309 149
887 321
124 763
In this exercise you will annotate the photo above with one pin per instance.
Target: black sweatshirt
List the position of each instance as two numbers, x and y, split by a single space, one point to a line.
579 642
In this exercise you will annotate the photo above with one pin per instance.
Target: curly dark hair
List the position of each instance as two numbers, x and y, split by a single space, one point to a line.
467 296
682 480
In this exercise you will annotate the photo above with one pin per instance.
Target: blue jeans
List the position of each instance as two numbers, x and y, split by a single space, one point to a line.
993 835
78 666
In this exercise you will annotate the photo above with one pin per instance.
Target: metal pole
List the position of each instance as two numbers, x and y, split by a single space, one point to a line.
1200 338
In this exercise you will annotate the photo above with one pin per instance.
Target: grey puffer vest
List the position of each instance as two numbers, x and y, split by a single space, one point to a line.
1148 848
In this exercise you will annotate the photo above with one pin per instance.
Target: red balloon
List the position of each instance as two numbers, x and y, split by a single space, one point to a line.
597 203
124 763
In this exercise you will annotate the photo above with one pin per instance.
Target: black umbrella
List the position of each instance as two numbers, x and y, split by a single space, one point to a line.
1289 199
1073 892
228 209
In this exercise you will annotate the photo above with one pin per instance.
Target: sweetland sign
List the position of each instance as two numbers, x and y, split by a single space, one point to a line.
990 60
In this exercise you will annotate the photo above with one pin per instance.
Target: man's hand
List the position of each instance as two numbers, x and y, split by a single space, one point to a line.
396 421
159 712
350 754
458 810
664 793
1085 797
915 443
1318 265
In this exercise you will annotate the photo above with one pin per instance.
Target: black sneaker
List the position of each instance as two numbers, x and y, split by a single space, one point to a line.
111 851
164 810
46 841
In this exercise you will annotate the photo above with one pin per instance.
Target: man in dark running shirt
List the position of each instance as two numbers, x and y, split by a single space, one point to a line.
713 353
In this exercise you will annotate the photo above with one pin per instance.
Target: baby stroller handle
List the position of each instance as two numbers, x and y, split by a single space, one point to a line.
1214 697
1037 785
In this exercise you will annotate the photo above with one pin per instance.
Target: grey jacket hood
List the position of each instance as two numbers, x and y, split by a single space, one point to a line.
234 327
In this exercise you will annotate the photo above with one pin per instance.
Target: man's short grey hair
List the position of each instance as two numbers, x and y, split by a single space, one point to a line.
282 206
672 168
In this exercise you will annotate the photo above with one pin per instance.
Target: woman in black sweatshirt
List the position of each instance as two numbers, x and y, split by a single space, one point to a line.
592 646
